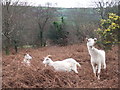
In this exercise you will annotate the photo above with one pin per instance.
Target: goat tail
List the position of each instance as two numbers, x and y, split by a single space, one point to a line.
78 64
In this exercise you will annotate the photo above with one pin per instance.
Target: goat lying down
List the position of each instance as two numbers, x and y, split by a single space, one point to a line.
65 65
27 59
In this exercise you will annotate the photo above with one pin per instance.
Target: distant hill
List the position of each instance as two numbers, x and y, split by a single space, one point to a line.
85 14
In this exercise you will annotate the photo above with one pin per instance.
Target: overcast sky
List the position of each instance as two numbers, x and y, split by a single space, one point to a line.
64 3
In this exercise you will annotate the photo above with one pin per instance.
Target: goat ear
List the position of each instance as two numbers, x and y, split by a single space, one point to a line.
49 56
95 39
24 54
86 39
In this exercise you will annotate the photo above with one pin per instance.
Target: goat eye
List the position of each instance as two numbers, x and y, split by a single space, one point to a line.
47 59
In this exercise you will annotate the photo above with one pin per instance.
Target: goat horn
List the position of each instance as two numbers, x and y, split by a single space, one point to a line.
49 55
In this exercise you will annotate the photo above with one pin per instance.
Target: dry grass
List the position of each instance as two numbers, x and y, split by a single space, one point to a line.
17 75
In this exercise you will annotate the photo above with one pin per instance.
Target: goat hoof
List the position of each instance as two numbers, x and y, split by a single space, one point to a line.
98 78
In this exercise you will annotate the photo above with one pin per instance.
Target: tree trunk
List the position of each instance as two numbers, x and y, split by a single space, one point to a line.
7 47
7 51
15 46
41 38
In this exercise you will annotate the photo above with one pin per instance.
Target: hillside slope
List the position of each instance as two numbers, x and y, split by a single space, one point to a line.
17 75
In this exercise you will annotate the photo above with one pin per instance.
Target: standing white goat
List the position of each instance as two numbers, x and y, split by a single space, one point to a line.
97 57
65 65
27 59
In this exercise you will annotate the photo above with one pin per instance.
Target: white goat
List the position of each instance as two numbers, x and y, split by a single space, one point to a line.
27 59
65 65
97 57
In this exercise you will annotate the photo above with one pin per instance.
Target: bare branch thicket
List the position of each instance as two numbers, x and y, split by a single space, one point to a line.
104 7
43 17
82 23
12 13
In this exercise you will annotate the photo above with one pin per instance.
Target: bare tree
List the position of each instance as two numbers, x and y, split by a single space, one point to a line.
11 11
44 16
82 23
0 26
103 7
119 8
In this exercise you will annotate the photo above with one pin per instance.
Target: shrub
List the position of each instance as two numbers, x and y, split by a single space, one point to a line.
109 31
57 33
